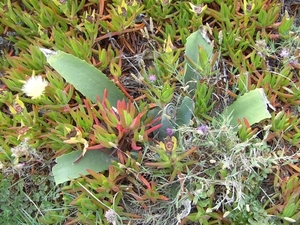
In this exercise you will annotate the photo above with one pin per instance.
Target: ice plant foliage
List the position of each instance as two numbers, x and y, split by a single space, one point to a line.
211 174
122 127
35 87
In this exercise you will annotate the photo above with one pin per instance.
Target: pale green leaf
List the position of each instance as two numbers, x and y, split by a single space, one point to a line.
253 106
66 170
194 41
87 79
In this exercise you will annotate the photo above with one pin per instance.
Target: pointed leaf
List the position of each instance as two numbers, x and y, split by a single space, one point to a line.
194 41
87 79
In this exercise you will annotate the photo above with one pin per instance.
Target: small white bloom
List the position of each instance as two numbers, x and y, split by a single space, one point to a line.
247 207
209 210
19 166
212 161
35 87
20 150
111 216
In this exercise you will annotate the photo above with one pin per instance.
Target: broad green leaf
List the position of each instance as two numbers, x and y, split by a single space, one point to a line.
194 41
184 113
87 79
253 106
66 170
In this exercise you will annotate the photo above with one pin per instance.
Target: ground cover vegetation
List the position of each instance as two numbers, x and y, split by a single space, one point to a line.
149 112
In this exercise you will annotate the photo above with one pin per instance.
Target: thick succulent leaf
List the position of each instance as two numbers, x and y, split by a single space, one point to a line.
253 106
184 113
66 170
167 120
194 41
87 79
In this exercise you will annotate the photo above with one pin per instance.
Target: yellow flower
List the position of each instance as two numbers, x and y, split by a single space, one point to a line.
35 87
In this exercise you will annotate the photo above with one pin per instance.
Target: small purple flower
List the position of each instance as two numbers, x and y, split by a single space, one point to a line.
152 78
169 131
284 53
19 166
202 129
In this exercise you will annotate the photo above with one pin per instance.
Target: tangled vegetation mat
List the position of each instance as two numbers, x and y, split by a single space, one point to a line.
149 112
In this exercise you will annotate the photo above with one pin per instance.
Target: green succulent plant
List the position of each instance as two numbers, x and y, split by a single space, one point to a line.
288 210
134 154
172 118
